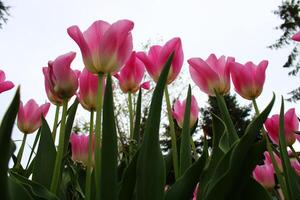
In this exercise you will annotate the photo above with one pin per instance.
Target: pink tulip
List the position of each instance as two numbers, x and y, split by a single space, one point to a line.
248 79
51 96
80 148
179 110
158 56
60 79
264 174
131 75
29 116
4 85
268 160
104 47
88 87
296 37
291 124
211 75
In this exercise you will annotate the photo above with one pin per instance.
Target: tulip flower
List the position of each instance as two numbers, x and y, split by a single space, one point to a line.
131 75
29 116
264 174
4 85
80 148
51 96
158 56
88 87
248 79
211 75
104 47
291 124
179 110
268 160
296 37
61 80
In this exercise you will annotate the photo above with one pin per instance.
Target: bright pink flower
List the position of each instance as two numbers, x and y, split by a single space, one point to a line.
179 109
158 56
296 37
80 148
264 174
131 75
296 165
104 47
88 87
52 97
248 79
29 116
268 160
4 85
291 124
211 75
60 79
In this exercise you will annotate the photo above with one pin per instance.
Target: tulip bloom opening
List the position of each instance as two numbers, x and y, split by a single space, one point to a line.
248 79
29 116
211 75
4 85
158 56
80 148
104 47
264 174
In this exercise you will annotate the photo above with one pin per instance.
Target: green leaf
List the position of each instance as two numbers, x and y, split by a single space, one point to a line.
46 150
36 139
185 146
150 165
238 163
254 190
291 178
17 191
136 133
231 135
186 184
6 128
109 155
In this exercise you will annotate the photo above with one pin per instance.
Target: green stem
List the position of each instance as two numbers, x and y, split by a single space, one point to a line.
98 134
55 122
89 166
130 115
60 150
294 153
194 148
20 153
269 148
172 133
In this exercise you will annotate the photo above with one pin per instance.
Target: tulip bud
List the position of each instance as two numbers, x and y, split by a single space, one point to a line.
211 75
291 124
80 148
248 79
179 110
88 88
29 116
104 47
4 85
158 56
60 79
264 174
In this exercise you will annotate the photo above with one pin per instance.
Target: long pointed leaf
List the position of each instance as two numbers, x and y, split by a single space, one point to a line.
136 133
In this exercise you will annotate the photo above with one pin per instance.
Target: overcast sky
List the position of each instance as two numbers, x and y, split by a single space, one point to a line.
36 32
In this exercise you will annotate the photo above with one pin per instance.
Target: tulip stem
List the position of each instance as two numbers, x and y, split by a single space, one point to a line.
89 165
55 122
194 148
98 134
60 149
130 115
20 153
172 133
270 151
294 153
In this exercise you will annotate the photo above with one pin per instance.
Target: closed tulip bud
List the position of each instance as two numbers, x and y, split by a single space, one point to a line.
248 79
179 110
211 75
29 116
104 47
88 87
264 174
131 75
296 37
158 56
291 124
4 85
80 148
61 80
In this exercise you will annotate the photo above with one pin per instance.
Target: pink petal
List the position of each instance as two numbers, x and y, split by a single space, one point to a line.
296 37
2 76
146 85
6 85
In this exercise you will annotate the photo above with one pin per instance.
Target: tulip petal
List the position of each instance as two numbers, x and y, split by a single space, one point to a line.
296 37
6 85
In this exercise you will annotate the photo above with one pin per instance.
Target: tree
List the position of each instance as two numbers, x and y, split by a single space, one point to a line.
3 13
288 12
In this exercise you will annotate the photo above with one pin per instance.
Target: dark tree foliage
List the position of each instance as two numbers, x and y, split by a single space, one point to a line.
288 12
3 13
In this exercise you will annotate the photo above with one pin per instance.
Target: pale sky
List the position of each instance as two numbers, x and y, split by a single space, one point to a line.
36 32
